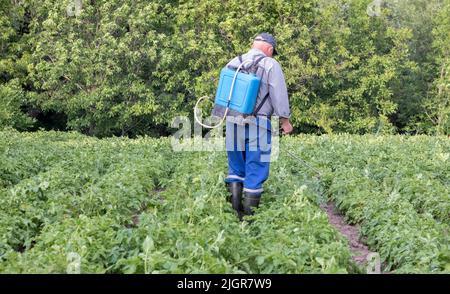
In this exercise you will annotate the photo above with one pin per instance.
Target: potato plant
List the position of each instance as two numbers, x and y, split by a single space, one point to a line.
135 206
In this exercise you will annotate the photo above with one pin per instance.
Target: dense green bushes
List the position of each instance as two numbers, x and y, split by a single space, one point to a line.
129 67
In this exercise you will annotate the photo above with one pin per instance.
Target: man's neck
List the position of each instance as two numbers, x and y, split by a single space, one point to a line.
259 51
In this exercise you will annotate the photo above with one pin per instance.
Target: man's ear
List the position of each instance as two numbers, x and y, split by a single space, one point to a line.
271 51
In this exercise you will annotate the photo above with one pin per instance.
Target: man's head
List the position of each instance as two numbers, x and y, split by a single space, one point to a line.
266 43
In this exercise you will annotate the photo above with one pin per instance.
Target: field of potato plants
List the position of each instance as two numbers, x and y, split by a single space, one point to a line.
121 205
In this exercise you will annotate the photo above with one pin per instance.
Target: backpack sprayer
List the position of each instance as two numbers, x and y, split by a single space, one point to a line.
237 90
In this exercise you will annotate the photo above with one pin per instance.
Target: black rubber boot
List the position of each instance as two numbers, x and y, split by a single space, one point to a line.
229 192
250 202
235 190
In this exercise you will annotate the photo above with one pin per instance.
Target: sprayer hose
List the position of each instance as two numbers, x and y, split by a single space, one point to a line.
228 101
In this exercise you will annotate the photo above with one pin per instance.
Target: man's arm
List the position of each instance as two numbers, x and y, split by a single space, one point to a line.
279 97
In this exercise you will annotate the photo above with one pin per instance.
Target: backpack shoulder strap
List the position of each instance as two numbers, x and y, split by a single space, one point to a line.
256 62
258 108
240 62
263 101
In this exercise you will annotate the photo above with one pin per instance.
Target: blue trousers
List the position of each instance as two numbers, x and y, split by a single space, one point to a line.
248 148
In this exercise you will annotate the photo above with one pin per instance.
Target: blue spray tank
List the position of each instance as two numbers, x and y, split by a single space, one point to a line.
237 90
244 93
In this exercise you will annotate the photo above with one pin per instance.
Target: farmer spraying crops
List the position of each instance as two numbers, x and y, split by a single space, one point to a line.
248 137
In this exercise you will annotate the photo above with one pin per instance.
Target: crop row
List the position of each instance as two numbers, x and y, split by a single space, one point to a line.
93 179
396 188
135 206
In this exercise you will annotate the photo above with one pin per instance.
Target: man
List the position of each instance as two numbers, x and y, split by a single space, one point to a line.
248 148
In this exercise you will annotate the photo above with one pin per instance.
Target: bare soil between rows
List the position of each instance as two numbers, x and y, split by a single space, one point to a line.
359 250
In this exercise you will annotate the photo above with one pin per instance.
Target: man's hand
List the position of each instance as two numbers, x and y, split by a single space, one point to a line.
286 126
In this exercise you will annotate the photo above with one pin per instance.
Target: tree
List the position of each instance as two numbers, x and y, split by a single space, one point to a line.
13 66
129 67
438 103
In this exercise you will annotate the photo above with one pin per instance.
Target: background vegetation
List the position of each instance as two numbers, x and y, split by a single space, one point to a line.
128 67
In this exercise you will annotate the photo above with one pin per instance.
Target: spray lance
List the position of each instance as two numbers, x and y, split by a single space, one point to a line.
318 173
304 163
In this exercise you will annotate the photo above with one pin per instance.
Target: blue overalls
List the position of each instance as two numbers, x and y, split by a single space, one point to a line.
248 148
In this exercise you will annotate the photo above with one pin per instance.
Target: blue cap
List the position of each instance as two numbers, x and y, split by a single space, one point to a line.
268 38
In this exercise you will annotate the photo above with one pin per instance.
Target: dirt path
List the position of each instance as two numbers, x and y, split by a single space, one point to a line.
359 250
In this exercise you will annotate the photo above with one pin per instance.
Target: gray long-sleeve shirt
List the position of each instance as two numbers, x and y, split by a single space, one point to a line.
272 82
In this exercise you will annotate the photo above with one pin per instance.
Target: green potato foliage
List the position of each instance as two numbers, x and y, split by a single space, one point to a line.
135 206
397 188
